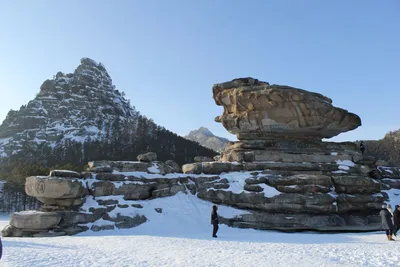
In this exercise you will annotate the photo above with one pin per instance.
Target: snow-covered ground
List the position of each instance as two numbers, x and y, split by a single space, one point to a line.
181 236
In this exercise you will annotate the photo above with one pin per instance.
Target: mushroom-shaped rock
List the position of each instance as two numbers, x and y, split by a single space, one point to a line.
54 187
258 110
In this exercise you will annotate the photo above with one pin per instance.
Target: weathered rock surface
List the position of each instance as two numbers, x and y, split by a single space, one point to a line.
35 220
258 110
147 157
175 166
221 167
298 222
130 166
54 187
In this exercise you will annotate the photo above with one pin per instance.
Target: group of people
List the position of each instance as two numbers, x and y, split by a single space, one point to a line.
390 220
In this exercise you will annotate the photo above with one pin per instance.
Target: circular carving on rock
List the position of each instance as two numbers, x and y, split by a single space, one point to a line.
40 187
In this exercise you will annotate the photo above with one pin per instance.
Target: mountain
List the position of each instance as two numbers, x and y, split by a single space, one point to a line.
206 138
387 148
81 116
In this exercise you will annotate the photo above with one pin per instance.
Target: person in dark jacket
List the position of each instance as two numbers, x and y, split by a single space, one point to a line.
396 219
387 223
362 147
214 220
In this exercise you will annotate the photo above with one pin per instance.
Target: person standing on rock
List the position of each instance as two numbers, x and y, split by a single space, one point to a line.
396 219
387 223
214 220
362 147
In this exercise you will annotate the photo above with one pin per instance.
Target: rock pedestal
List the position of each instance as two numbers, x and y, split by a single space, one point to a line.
317 185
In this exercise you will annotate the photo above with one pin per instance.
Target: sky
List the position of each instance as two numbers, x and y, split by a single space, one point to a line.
166 55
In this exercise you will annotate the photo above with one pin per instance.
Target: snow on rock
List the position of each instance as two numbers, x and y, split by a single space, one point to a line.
345 164
269 191
154 168
87 101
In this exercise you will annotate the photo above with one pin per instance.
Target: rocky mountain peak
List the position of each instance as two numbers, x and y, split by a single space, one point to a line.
202 130
206 138
75 106
88 73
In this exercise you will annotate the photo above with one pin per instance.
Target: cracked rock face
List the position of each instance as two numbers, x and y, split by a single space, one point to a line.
258 110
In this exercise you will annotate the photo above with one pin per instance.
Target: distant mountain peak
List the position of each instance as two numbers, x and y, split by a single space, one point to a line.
206 138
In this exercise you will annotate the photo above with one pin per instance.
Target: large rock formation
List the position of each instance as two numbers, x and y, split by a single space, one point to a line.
282 177
258 110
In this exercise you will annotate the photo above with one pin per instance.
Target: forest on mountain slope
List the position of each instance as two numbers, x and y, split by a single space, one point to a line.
387 148
125 141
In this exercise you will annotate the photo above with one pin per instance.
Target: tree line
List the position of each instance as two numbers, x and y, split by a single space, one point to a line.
124 139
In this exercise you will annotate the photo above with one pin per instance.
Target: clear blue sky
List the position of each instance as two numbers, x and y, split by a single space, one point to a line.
166 55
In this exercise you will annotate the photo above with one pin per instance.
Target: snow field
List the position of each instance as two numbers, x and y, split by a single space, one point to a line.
181 236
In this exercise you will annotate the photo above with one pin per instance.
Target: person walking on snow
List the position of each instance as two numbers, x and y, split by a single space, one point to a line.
214 220
389 208
387 223
362 147
396 219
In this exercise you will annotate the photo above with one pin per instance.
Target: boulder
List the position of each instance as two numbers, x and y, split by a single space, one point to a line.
35 219
124 222
11 231
158 210
168 191
258 110
175 166
253 188
147 157
54 187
